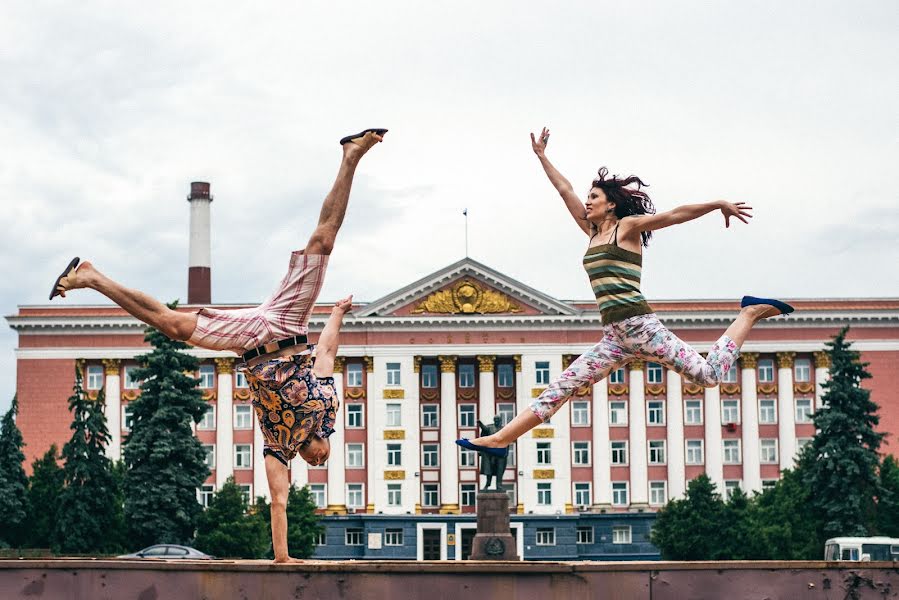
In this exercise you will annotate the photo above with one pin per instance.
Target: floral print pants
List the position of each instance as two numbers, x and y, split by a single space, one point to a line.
641 337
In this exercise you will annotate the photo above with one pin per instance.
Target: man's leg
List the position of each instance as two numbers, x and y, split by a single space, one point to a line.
278 486
334 206
174 324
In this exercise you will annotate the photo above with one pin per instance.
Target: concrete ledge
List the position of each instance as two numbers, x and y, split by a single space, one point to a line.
79 579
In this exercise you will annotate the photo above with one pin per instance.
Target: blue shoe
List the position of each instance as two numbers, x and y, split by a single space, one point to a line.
501 452
783 307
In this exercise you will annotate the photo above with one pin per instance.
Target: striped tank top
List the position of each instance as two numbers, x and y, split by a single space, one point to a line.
615 277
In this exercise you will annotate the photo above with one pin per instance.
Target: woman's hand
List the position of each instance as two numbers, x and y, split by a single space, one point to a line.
342 306
539 145
740 210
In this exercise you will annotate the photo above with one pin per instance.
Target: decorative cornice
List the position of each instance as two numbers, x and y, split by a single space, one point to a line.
394 434
804 387
618 389
394 475
749 360
535 392
517 359
369 364
486 363
822 360
692 388
767 388
225 366
112 366
394 393
339 364
637 364
416 363
447 364
354 393
730 388
544 473
543 432
785 360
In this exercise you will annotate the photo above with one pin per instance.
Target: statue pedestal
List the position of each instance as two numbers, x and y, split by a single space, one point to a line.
493 540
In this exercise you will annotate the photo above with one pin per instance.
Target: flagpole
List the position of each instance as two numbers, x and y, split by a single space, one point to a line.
465 212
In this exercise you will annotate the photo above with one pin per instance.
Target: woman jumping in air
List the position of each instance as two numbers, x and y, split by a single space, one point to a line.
619 218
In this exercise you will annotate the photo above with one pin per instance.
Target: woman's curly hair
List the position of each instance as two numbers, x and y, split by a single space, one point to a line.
628 200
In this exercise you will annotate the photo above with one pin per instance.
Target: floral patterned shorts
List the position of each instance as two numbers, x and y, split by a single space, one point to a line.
291 404
641 337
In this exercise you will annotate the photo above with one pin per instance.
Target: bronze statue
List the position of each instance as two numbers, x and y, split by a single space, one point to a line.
492 466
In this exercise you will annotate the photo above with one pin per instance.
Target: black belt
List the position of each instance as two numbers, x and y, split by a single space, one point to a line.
297 340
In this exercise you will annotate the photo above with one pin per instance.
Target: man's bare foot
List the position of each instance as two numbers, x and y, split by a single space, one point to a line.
355 148
288 559
81 278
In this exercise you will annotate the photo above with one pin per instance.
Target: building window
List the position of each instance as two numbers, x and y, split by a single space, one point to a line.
654 373
803 410
207 377
240 380
466 375
394 494
544 493
802 370
395 455
582 496
505 375
393 537
768 484
617 377
430 416
353 537
766 370
621 534
321 538
801 443
731 452
730 487
511 493
581 452
768 451
658 493
510 457
243 416
466 415
94 377
584 535
730 376
394 415
243 457
208 420
127 417
730 411
393 373
506 412
354 495
129 381
655 412
619 493
209 455
544 453
619 452
542 372
693 412
246 493
767 411
355 456
430 495
430 454
317 491
694 452
354 375
467 493
617 413
580 413
546 536
657 452
429 376
206 493
354 416
467 458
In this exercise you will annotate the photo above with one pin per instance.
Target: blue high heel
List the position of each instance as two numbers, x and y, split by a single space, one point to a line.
783 307
501 452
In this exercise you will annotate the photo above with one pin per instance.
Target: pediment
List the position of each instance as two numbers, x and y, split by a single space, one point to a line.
466 288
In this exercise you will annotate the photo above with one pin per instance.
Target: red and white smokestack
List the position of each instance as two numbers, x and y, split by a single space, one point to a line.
199 273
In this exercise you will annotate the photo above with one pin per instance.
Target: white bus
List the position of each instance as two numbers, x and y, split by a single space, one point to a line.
861 548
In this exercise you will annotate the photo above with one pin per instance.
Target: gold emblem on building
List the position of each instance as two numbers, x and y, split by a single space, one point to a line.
467 297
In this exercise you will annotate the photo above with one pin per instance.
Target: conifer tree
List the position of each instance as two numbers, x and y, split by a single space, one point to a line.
13 482
44 492
303 522
165 461
86 518
226 528
785 528
888 500
689 528
840 469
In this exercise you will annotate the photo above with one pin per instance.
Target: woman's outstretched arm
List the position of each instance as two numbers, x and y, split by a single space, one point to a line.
685 213
562 185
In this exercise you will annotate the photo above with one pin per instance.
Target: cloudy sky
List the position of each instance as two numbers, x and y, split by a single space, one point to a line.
108 110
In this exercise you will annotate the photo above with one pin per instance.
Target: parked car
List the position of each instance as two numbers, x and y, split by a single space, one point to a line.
169 552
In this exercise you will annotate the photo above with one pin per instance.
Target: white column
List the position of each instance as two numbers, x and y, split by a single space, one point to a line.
374 424
113 391
299 472
822 372
602 473
637 435
224 428
786 433
337 459
486 389
525 449
563 494
260 481
714 449
752 473
449 463
674 401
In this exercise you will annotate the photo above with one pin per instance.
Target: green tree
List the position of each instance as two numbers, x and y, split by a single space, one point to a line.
227 529
86 517
737 539
13 482
888 500
303 523
689 528
165 461
784 527
44 493
841 466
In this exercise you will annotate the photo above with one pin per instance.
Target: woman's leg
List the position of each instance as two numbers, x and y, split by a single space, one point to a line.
590 367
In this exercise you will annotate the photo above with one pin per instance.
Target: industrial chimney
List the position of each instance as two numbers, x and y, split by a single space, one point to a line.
199 273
